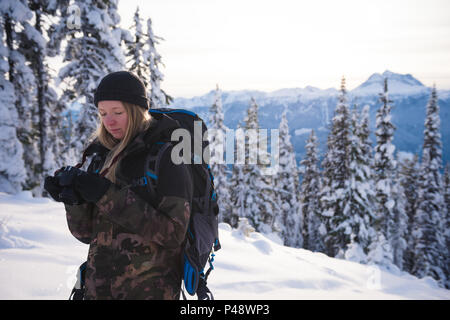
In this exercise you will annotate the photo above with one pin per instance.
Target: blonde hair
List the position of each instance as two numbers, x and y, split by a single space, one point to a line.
138 121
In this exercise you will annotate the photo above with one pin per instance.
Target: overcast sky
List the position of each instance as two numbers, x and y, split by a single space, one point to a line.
272 44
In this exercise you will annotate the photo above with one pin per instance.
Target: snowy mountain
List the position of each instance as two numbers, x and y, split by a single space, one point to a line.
312 108
39 259
398 85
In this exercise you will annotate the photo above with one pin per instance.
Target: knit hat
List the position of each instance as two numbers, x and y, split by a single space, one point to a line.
122 86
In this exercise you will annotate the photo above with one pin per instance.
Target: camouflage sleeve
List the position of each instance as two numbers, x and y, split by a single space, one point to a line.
79 221
165 225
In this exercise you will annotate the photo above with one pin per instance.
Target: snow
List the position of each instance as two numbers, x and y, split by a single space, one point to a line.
299 132
405 156
39 259
16 10
398 84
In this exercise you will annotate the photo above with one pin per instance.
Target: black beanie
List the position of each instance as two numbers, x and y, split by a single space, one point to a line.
122 86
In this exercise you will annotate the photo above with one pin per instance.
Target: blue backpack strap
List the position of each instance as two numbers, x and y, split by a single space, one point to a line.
170 111
79 288
152 162
161 151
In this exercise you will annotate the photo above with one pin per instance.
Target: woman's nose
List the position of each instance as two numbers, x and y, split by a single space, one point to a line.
109 120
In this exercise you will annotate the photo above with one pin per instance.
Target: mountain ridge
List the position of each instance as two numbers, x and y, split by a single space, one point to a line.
313 108
399 84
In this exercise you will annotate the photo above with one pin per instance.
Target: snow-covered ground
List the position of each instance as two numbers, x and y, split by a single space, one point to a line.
39 258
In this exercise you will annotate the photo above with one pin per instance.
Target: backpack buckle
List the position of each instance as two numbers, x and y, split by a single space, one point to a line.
143 180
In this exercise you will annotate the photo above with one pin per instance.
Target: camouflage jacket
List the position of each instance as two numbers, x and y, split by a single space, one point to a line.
136 245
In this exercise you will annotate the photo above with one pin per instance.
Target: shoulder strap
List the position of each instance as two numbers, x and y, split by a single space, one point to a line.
78 290
94 147
151 169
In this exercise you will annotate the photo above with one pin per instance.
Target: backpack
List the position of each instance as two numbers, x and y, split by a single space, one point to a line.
78 290
202 238
202 235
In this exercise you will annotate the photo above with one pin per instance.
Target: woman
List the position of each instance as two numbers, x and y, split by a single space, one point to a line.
135 240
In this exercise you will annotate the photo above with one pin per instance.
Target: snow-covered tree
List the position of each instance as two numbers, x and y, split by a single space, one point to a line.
447 190
260 202
216 136
145 61
67 16
354 251
238 189
92 51
287 187
19 32
384 164
408 175
272 206
12 167
34 46
335 189
136 50
360 205
309 197
251 189
399 226
430 250
447 222
380 252
158 98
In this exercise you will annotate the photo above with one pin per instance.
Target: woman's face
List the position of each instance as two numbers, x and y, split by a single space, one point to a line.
114 117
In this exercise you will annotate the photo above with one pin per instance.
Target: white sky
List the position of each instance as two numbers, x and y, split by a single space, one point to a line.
272 44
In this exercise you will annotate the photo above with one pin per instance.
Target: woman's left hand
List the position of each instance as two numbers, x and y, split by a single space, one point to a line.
90 186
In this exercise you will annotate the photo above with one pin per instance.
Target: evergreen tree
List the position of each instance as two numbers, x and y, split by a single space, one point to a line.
12 167
408 179
447 191
354 251
136 50
287 187
384 165
57 31
272 207
251 192
447 222
335 191
399 227
431 209
216 136
18 31
260 206
309 197
158 98
34 45
380 251
92 51
359 207
238 188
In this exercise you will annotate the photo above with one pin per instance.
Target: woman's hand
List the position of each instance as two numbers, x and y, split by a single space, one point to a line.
90 186
74 186
52 186
60 188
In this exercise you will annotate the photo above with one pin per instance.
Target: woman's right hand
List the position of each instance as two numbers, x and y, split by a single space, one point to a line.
60 187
